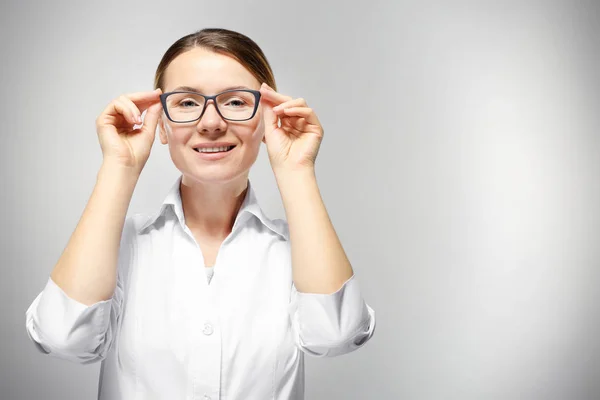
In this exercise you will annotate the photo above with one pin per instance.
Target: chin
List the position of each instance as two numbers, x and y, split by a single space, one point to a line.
217 175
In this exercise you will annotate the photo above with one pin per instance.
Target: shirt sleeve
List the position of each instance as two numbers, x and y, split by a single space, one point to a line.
329 325
60 326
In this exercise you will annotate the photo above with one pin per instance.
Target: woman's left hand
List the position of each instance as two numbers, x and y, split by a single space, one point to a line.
293 145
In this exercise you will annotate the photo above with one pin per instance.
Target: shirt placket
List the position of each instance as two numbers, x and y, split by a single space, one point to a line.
205 337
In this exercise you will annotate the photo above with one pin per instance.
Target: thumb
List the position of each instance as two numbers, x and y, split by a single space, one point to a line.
151 119
271 119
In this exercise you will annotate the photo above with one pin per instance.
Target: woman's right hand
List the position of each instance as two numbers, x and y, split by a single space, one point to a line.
120 143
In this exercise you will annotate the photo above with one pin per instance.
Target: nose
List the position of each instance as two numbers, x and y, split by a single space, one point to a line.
211 122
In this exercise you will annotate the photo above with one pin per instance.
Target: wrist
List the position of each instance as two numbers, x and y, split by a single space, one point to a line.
295 173
117 171
290 182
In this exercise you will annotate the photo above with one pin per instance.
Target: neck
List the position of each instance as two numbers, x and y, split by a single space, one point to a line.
210 208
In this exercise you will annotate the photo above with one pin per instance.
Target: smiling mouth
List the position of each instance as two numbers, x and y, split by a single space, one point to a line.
212 150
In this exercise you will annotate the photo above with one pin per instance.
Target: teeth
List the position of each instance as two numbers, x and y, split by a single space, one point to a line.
212 149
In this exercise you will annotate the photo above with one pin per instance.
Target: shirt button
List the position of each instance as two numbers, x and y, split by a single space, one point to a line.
206 397
208 330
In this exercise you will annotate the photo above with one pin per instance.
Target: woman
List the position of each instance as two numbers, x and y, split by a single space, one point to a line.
130 290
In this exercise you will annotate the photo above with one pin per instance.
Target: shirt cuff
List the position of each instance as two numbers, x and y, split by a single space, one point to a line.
68 329
331 324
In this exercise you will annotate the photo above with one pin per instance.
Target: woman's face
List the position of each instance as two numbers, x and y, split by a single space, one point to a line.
210 73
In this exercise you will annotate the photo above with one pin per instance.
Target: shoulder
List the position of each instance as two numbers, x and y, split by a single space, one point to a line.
134 222
130 244
133 225
278 227
282 226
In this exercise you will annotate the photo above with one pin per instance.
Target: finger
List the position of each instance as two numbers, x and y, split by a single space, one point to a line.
151 118
144 99
143 105
140 101
298 123
118 107
303 112
292 103
133 109
135 102
272 96
270 118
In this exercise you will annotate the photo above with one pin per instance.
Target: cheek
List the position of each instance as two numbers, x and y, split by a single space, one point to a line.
251 133
259 127
253 140
179 135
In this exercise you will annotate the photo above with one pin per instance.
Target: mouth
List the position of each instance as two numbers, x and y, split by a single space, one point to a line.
213 150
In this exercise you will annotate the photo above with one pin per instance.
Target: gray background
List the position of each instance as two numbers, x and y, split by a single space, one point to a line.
460 167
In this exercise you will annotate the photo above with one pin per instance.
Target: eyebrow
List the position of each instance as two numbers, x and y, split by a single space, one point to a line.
192 89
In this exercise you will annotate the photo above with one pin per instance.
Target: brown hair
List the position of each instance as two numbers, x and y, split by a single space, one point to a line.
223 41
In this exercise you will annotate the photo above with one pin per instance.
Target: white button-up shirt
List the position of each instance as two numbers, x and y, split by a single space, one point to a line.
169 333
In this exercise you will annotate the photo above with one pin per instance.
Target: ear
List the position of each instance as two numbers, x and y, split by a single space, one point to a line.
262 123
161 129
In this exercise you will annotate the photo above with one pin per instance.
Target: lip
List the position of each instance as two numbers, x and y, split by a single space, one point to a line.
213 144
214 156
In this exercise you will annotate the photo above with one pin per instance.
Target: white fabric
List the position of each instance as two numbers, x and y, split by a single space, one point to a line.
167 334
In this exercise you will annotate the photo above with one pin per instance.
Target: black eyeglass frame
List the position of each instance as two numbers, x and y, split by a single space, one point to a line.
256 93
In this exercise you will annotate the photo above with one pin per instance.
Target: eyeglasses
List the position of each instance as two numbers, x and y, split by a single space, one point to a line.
232 105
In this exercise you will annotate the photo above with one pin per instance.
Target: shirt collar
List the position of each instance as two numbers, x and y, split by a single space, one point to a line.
249 208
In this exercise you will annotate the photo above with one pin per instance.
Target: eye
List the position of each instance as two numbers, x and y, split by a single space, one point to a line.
189 103
235 103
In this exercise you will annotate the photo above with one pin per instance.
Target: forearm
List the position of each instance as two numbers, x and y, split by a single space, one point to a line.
86 270
319 262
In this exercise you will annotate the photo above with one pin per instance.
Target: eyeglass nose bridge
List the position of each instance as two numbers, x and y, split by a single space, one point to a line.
214 101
